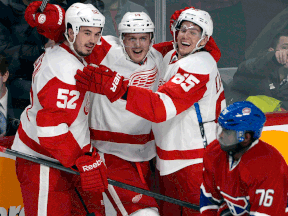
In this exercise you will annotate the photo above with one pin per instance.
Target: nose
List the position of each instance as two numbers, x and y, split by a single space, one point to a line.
93 39
137 43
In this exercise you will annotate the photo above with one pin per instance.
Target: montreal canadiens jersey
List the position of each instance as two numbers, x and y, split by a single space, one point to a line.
55 125
115 130
256 184
194 78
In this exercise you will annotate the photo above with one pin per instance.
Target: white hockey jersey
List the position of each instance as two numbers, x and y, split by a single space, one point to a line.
55 125
194 78
115 130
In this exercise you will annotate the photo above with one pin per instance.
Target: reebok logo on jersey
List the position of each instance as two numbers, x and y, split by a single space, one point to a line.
93 166
115 82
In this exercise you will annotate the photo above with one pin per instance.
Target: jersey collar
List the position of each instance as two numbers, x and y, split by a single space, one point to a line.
233 163
174 58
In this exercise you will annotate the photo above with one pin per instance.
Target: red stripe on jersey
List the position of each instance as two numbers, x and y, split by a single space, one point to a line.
179 155
121 137
64 46
145 103
38 148
99 52
276 119
31 143
63 147
218 105
164 47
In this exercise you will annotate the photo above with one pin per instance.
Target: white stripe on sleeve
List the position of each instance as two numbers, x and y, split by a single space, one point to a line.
52 131
169 105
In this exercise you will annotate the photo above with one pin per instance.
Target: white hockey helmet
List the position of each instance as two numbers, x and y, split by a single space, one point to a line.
136 22
200 18
79 14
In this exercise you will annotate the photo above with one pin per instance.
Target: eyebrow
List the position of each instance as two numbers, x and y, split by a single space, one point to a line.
87 30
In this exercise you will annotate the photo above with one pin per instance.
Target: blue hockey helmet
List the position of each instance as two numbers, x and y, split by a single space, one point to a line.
242 117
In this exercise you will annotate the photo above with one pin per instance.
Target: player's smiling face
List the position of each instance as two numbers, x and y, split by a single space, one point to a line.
86 40
187 38
137 45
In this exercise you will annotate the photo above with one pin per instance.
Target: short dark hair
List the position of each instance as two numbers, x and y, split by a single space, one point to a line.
3 65
275 40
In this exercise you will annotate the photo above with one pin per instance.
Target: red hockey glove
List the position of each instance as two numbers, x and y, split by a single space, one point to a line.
102 80
93 173
50 23
175 17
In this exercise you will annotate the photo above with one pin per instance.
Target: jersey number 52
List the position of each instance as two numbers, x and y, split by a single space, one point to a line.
63 99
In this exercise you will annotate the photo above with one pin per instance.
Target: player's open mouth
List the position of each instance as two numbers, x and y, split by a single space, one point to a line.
137 52
185 44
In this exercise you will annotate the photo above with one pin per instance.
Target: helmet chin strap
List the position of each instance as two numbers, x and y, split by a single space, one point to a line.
71 45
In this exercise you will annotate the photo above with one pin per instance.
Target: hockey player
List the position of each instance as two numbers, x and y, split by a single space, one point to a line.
124 138
242 174
190 76
55 125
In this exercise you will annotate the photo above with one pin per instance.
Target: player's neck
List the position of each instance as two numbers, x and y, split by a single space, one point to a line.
80 58
237 156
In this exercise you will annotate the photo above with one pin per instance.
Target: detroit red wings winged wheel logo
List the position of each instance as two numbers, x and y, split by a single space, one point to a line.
144 79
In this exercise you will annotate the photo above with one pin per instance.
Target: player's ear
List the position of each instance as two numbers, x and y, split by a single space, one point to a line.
204 41
248 139
71 34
